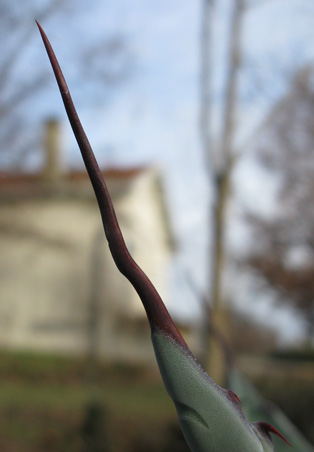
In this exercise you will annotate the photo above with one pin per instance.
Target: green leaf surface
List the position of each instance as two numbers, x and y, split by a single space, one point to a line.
210 419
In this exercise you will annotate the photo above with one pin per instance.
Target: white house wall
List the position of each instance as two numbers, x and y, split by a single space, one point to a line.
57 276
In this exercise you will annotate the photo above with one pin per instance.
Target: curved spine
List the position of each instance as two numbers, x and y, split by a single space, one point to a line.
157 312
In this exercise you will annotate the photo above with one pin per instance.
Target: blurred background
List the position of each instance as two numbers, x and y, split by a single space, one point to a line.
200 114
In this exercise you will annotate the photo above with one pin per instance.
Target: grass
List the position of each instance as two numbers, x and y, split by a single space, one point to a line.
44 402
47 403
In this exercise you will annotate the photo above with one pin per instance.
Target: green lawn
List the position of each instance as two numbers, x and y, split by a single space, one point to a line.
44 401
59 404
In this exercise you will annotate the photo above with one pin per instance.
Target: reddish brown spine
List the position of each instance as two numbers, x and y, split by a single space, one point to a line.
156 311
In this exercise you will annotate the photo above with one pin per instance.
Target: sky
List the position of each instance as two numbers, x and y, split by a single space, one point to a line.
153 117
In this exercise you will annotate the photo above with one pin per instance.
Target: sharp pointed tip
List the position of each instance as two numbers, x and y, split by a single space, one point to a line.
39 27
41 30
233 396
268 428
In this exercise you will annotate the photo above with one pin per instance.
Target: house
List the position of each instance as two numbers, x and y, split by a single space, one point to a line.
59 288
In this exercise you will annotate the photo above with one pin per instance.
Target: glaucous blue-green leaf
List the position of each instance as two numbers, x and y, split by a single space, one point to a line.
210 417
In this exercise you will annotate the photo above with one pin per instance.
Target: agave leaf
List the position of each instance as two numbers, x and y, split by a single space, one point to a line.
210 416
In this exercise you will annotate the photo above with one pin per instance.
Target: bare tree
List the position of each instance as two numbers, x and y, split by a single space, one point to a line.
103 62
222 158
284 257
219 166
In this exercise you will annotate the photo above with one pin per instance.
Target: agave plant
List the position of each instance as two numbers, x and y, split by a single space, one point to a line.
211 418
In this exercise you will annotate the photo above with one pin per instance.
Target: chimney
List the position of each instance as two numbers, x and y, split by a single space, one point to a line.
52 168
